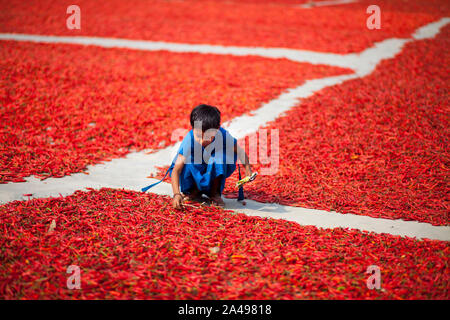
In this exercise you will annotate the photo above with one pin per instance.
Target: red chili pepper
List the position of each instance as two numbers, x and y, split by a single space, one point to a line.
143 249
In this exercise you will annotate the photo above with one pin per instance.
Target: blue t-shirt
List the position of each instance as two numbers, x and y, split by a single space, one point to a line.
205 163
220 150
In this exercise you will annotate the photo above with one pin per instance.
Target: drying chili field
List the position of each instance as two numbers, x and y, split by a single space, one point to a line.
363 123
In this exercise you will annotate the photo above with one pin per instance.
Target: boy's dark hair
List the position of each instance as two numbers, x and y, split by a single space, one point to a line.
208 115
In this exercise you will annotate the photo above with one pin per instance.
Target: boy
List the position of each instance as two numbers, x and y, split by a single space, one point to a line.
206 157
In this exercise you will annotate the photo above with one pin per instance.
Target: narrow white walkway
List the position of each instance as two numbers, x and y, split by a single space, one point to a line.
130 172
274 53
362 63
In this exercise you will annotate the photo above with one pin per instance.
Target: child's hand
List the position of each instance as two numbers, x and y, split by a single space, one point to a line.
177 201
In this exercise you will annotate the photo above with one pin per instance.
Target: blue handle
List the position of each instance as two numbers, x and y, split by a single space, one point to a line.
154 184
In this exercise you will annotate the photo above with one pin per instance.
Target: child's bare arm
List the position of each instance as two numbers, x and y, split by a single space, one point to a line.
178 167
244 159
